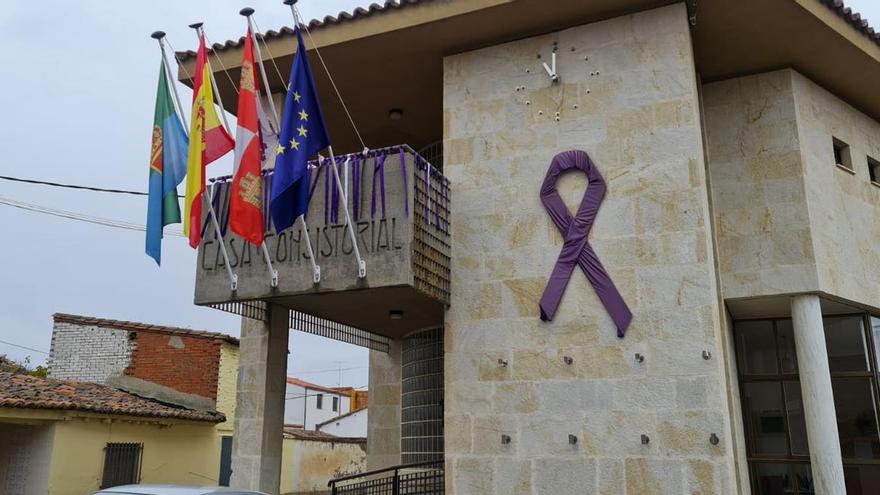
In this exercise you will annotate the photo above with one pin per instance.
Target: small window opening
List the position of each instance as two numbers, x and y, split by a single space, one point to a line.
841 154
874 170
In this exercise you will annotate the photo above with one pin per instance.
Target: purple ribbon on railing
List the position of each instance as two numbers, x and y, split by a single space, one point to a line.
334 197
267 194
328 177
405 188
427 191
378 170
315 178
576 249
355 186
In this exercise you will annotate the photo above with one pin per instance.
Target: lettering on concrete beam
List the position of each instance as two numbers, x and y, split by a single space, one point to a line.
289 247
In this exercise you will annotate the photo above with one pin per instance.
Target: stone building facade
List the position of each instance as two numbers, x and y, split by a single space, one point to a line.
738 225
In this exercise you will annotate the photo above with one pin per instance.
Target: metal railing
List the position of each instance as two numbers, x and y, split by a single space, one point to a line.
425 478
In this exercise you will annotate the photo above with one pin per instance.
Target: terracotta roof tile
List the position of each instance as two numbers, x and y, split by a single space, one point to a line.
838 6
853 18
30 392
329 20
337 418
147 327
313 386
319 436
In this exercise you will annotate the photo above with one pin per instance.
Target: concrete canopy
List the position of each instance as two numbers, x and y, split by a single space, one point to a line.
388 57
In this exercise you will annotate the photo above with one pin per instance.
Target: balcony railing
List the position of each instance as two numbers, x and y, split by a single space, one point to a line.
399 208
425 478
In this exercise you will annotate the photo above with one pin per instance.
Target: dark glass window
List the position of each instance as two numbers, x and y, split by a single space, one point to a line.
782 479
320 401
335 404
773 413
758 344
847 348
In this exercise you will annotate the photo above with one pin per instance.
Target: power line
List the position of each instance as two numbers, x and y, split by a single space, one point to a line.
23 347
70 215
72 186
334 370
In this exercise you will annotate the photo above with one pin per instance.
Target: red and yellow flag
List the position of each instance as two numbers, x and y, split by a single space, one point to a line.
246 205
208 141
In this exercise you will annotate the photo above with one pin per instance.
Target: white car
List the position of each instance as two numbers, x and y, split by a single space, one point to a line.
172 490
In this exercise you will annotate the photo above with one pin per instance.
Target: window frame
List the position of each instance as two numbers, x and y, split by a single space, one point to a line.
780 377
113 478
873 164
845 162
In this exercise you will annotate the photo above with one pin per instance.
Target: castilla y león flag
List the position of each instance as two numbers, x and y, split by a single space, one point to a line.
246 205
208 141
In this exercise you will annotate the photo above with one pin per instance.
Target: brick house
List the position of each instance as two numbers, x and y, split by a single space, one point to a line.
159 398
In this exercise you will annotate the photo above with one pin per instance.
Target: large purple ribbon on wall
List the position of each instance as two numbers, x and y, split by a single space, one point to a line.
576 249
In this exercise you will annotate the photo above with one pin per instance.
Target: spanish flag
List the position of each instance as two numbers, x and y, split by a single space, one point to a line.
208 141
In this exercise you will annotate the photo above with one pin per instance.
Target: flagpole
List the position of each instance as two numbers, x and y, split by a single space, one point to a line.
248 12
362 265
233 278
160 37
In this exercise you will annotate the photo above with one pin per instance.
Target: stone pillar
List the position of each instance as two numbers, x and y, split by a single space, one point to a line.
818 398
383 422
259 403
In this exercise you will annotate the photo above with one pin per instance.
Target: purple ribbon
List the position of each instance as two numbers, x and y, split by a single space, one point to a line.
334 202
405 188
427 192
355 186
327 178
378 171
316 177
576 249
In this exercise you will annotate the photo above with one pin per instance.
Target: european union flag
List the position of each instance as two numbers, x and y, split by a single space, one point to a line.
303 134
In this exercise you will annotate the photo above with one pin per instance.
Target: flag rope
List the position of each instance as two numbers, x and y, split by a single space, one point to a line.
362 265
297 18
271 57
222 66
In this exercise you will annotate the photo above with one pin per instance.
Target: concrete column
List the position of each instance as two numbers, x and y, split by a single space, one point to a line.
818 398
259 403
383 422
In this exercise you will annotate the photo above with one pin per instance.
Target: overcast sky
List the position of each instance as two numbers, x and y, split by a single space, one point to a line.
77 106
80 85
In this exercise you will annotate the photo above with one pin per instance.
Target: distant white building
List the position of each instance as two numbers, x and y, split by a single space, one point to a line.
308 404
351 425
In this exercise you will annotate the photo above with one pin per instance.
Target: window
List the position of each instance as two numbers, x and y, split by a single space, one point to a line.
842 155
320 400
874 170
335 404
225 460
122 464
773 414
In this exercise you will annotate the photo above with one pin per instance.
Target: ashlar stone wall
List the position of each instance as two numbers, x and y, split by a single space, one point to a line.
628 97
755 166
788 219
843 207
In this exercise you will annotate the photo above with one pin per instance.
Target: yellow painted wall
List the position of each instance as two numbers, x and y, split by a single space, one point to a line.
308 465
181 453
